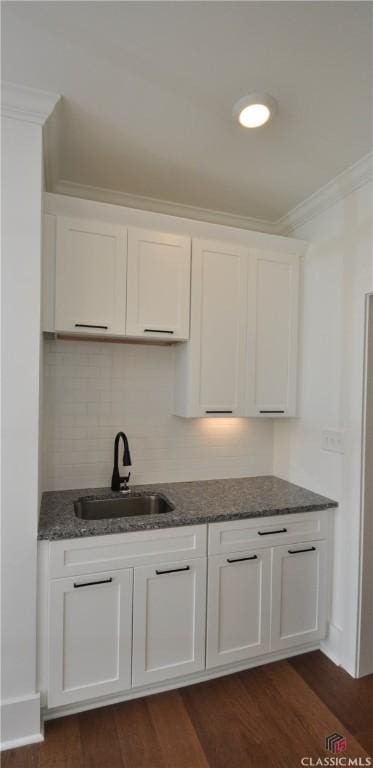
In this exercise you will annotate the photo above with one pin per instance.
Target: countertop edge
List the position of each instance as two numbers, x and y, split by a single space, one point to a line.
161 523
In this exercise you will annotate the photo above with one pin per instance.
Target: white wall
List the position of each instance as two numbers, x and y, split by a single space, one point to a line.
365 663
21 246
336 274
94 389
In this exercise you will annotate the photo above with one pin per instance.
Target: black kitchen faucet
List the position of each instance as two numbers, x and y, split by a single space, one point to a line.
119 483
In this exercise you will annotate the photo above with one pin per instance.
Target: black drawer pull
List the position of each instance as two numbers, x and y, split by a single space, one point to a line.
218 411
89 325
271 411
241 559
156 330
173 570
269 533
93 583
295 551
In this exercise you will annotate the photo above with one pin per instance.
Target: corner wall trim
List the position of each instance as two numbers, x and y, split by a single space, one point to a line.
29 104
20 722
346 182
333 644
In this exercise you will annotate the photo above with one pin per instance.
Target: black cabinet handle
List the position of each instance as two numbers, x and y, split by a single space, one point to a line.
295 551
269 533
218 411
90 325
173 570
156 330
92 583
241 559
271 411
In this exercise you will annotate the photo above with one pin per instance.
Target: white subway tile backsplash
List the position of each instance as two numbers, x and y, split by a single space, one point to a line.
92 390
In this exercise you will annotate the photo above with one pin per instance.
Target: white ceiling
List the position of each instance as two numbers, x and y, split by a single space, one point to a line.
148 89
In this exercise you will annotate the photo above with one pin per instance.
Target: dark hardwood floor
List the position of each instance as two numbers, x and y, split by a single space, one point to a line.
268 717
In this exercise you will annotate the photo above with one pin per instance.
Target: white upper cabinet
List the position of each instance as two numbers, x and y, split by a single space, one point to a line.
272 334
158 287
236 308
90 277
210 370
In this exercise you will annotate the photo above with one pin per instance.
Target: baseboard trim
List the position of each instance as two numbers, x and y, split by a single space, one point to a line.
181 682
23 742
20 722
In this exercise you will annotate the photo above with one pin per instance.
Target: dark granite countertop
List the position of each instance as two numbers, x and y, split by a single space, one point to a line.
196 502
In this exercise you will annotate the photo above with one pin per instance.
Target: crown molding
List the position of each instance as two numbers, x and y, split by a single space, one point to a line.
102 195
346 182
28 104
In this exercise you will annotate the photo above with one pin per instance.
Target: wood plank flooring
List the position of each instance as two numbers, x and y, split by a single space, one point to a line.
268 717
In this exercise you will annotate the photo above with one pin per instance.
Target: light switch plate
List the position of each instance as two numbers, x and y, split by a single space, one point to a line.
332 440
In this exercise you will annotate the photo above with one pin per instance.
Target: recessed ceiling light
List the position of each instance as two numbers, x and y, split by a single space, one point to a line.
254 110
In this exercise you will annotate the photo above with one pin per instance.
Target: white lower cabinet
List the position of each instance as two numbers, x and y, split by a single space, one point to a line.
169 621
90 636
153 622
255 606
238 616
299 594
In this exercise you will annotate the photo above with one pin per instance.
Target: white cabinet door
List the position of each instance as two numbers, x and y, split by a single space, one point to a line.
90 632
158 292
238 606
90 277
272 334
211 368
169 616
299 594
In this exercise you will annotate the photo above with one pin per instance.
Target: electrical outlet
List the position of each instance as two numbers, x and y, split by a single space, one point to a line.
332 440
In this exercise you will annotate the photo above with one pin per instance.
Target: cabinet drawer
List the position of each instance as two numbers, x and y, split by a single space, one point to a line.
236 535
72 557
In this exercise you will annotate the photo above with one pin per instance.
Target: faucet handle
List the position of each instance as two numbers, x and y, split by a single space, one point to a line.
125 480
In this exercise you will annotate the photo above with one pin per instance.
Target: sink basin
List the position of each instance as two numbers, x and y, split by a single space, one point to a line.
126 506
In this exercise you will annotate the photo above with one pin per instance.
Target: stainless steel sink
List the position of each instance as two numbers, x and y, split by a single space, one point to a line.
127 506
